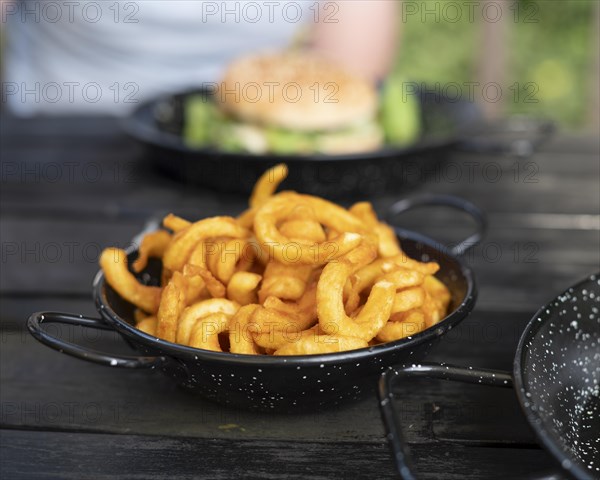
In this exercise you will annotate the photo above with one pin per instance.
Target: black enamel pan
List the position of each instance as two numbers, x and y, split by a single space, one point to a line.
556 377
261 382
447 124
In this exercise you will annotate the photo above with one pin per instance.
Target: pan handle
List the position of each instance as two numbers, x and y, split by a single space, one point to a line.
388 379
34 324
517 135
452 201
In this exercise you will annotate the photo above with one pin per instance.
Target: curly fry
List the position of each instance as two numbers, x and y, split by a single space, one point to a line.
267 184
200 310
242 287
330 302
277 314
250 254
367 276
113 262
154 245
411 324
241 331
317 344
215 288
229 255
438 291
278 209
185 240
303 230
172 304
408 299
388 242
205 333
405 261
175 223
148 325
139 315
264 188
437 299
279 280
273 339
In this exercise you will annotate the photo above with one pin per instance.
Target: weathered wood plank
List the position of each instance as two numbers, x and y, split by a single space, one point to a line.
528 187
40 455
572 143
24 129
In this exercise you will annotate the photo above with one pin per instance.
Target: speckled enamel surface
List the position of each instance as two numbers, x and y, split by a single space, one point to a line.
558 377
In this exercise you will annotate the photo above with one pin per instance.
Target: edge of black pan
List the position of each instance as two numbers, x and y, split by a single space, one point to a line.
446 122
547 436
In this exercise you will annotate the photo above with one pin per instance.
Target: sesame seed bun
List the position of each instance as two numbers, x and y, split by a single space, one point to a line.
296 91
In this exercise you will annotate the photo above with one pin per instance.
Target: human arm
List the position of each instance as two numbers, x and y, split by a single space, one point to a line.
361 35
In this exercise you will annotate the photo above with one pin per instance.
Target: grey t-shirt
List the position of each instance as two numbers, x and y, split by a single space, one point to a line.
105 57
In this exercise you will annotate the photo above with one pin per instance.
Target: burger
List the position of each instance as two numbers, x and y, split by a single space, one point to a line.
298 102
287 103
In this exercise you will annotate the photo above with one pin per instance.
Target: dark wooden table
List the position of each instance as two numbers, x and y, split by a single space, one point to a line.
73 186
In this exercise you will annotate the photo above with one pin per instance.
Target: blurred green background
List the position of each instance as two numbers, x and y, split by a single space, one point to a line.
546 53
543 54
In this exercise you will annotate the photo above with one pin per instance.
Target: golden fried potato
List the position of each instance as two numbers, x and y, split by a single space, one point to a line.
277 209
172 304
292 275
185 240
113 262
318 344
205 333
148 325
243 286
153 245
242 331
216 288
330 303
175 223
199 310
411 324
267 184
387 241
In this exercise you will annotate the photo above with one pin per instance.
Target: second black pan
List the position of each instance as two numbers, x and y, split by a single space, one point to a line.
556 377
